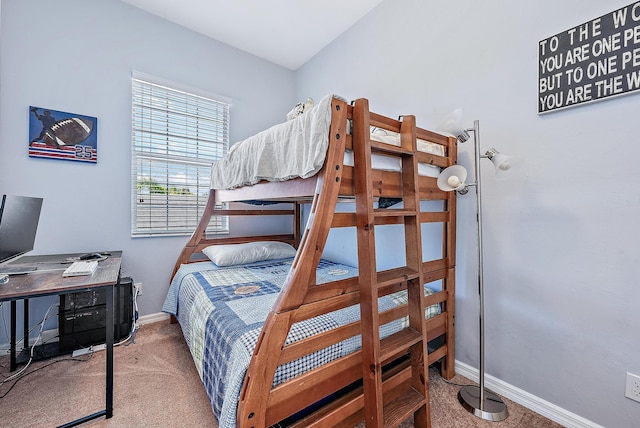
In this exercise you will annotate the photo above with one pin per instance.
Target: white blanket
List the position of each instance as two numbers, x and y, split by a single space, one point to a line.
296 148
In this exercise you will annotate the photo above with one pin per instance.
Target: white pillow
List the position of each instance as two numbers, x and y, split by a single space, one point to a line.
238 254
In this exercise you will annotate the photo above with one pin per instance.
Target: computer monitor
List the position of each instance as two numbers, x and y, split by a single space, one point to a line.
19 216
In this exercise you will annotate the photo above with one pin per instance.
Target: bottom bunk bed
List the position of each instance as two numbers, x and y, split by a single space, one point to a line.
222 309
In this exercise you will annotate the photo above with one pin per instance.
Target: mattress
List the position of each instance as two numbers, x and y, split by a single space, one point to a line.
297 148
221 312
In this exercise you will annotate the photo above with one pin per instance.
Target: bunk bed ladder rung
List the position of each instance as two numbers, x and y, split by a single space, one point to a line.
398 343
407 403
410 397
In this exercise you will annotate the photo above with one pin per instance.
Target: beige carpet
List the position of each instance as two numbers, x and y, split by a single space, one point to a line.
156 385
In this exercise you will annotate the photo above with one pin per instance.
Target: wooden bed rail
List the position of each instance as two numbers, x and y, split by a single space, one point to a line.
255 400
199 240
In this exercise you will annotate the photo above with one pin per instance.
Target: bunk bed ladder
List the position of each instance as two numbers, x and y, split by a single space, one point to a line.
406 393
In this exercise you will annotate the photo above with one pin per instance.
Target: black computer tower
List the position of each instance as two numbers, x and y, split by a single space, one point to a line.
82 317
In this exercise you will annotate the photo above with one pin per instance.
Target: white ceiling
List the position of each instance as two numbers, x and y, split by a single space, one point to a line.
286 32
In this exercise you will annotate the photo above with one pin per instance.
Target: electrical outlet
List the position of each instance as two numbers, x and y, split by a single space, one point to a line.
632 389
138 286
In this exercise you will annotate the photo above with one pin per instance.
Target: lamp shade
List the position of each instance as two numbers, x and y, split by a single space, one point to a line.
504 164
501 161
452 178
452 124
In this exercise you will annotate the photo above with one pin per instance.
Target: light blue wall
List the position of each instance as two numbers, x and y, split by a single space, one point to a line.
77 56
562 258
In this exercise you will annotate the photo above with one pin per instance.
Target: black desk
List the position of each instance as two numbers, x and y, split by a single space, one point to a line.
48 281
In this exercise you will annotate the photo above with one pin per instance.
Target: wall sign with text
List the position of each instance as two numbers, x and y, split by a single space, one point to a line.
590 62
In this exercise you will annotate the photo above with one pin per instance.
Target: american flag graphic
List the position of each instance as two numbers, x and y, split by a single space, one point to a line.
76 153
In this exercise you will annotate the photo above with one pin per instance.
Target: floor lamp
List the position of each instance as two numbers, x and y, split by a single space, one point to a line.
476 399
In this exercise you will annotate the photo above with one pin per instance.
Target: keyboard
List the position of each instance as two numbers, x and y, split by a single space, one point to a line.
81 268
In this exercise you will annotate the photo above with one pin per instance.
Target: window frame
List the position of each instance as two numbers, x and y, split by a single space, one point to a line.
180 149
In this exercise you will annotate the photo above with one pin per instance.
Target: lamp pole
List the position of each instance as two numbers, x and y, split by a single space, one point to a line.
482 403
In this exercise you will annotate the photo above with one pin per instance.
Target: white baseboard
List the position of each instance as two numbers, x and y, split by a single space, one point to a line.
158 316
530 401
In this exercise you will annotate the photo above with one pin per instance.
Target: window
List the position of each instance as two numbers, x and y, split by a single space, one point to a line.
176 134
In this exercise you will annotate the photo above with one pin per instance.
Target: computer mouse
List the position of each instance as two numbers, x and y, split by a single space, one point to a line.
92 256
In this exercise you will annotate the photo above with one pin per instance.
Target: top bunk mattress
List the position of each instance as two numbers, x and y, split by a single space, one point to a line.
297 149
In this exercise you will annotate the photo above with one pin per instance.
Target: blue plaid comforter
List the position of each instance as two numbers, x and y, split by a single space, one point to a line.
221 312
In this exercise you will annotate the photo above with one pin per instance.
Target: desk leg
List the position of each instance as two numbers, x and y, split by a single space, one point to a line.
25 324
12 364
13 360
109 342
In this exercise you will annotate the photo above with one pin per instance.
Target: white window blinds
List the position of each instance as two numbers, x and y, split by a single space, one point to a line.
176 135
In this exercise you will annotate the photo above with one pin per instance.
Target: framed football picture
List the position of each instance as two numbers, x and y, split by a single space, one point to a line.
60 135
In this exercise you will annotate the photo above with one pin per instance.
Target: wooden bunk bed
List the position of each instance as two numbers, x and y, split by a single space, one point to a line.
386 380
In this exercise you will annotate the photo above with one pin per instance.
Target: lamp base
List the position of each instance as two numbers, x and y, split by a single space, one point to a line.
492 409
